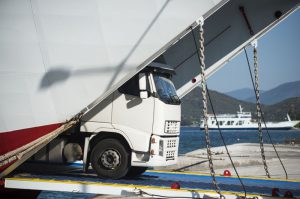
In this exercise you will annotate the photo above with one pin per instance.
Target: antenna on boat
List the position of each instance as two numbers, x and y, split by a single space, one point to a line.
288 117
241 108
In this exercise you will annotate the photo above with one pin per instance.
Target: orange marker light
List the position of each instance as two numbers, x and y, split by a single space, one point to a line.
153 140
152 152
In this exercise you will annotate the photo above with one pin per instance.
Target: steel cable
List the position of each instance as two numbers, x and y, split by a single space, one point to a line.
205 115
244 189
224 143
262 117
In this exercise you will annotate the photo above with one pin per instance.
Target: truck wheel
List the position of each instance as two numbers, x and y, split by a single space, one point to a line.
136 171
110 159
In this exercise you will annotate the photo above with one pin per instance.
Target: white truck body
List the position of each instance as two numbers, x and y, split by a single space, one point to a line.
150 125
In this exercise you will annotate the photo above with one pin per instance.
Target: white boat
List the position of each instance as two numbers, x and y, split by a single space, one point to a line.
243 121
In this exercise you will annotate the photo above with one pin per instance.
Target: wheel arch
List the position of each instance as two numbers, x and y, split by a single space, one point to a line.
97 137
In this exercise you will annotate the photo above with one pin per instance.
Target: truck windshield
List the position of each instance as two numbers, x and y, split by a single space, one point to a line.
165 89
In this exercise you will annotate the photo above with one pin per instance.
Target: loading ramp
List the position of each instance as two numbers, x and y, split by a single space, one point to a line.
152 183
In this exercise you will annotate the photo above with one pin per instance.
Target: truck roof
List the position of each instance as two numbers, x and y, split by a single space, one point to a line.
160 68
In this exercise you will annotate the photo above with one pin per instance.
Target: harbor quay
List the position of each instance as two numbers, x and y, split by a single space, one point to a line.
246 158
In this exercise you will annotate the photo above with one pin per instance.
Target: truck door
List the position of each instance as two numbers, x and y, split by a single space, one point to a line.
133 115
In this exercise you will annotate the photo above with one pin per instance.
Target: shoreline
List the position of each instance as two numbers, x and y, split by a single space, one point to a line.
270 129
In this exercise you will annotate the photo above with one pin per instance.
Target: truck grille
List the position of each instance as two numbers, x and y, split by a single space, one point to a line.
171 148
172 127
170 155
171 143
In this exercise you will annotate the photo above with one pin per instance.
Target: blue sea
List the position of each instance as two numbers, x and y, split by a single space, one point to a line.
192 138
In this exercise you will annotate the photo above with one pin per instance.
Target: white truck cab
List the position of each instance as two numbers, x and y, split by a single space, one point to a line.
136 127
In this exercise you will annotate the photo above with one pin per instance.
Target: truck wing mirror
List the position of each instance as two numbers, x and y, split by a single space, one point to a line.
144 94
143 86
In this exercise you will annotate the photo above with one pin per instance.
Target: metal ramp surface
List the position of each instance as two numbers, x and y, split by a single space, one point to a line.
151 183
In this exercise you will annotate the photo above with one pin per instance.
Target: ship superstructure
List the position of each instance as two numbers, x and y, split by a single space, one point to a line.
243 121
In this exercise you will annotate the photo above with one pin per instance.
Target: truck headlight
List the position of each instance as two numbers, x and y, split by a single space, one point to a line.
161 148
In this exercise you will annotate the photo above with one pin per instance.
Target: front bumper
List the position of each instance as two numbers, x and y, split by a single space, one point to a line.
163 152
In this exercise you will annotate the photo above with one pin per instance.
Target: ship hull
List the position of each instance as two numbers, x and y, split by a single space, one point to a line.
19 138
58 57
285 125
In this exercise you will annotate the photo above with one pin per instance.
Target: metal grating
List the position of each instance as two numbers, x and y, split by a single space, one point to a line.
172 127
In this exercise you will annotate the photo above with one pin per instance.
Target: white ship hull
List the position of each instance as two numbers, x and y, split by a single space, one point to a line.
243 121
287 125
57 57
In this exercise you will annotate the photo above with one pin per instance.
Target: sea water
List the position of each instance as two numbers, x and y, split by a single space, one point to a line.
192 138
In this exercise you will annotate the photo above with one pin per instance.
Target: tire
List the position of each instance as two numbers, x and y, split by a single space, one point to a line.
110 159
136 171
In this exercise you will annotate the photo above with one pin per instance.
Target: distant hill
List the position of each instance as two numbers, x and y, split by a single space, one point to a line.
278 94
192 107
279 110
241 94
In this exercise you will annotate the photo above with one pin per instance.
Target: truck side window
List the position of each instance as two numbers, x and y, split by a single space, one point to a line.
131 87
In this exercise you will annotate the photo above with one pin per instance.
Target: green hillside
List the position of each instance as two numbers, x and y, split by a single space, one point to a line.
192 107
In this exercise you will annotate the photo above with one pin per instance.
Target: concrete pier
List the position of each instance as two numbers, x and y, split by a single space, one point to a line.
246 158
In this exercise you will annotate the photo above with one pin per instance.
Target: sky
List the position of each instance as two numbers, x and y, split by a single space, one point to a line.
278 57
